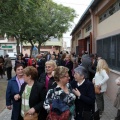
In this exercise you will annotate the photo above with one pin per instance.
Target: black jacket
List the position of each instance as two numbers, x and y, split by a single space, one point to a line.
37 97
42 79
69 65
87 64
87 98
41 68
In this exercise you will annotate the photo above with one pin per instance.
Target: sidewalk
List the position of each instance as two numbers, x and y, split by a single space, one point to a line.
3 85
109 113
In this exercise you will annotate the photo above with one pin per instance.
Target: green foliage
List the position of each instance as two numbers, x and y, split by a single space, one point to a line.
34 20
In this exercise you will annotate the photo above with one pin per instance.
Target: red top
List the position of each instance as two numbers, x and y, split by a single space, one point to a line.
31 62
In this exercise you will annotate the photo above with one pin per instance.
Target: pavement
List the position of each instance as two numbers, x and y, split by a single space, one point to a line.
109 112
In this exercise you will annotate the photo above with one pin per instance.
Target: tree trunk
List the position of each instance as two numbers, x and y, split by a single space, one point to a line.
17 47
39 45
32 46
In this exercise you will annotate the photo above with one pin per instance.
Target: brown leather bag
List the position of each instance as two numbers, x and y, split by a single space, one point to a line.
97 89
28 116
31 117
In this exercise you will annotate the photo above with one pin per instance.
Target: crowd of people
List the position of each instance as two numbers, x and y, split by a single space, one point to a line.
43 82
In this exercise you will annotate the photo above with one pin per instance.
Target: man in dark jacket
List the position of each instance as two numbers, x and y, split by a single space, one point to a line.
48 56
8 66
40 65
86 62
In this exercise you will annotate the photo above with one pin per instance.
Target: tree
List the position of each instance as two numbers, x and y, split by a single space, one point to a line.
10 19
50 20
34 21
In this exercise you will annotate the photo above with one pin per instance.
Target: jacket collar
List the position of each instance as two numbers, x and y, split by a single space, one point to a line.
13 79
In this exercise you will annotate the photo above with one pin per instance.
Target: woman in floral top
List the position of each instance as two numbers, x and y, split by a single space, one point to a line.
62 91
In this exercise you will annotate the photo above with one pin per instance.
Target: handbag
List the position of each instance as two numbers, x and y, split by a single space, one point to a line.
28 116
88 115
59 110
54 116
31 117
97 89
96 115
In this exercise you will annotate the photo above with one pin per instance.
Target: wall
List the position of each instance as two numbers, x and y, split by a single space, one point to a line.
42 49
111 23
86 34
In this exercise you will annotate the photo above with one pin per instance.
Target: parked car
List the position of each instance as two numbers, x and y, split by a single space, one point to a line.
12 55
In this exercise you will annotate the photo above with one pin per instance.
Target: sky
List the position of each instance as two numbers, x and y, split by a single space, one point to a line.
79 6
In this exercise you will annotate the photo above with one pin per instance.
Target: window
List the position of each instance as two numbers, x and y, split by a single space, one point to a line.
110 11
109 49
78 35
105 15
88 27
10 51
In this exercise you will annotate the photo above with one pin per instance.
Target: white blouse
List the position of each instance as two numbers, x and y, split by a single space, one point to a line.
101 78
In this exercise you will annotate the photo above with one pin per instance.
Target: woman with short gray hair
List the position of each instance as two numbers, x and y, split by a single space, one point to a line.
84 90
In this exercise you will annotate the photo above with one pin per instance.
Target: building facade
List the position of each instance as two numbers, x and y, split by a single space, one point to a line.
8 46
52 45
98 31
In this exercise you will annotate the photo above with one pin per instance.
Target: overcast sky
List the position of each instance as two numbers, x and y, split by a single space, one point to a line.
79 6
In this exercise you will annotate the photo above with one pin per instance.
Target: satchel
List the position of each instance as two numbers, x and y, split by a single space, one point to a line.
31 117
28 116
59 110
97 89
54 116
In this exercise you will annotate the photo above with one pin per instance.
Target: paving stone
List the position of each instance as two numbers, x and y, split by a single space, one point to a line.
109 112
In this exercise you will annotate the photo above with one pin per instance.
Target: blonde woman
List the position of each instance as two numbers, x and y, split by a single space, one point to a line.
48 77
100 80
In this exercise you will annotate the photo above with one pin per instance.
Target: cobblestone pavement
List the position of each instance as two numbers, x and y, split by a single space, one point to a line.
109 113
5 115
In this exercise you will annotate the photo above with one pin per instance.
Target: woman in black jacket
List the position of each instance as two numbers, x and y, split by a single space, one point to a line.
32 94
47 78
85 94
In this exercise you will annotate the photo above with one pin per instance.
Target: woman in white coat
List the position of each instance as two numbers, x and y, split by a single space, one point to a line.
100 80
